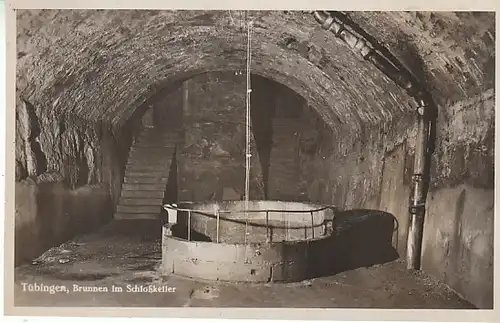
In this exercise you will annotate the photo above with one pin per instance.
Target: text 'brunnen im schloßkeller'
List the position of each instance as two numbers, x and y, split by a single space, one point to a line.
77 288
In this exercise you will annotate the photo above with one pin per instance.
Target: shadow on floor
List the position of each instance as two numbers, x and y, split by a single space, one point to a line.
361 238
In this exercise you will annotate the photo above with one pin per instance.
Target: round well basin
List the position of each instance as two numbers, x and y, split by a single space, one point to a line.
283 240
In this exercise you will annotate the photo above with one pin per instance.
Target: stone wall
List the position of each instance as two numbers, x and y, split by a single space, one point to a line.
458 232
367 163
70 149
376 173
213 155
48 214
69 173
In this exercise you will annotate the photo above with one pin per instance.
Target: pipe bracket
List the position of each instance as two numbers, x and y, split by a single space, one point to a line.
327 24
340 30
416 208
417 177
367 51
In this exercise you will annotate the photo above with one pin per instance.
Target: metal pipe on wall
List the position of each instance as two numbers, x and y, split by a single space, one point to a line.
418 194
403 79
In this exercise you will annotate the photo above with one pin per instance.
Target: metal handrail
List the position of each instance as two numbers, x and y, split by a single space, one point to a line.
166 206
217 214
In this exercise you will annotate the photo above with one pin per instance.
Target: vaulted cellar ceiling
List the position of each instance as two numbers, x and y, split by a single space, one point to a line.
101 65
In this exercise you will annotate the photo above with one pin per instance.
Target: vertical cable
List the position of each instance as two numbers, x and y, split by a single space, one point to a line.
247 145
249 90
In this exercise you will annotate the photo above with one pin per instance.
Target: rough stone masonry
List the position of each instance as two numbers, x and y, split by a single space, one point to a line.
83 76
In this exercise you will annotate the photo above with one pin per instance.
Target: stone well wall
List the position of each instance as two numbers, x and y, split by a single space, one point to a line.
253 262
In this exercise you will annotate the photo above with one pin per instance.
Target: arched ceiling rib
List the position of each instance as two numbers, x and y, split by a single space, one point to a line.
102 65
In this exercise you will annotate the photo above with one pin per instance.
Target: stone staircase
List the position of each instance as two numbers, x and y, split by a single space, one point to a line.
146 175
284 170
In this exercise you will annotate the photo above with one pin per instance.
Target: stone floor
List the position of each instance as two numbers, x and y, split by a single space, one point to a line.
127 253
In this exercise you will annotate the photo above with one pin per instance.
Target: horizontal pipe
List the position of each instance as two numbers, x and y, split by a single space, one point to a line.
321 16
365 48
391 71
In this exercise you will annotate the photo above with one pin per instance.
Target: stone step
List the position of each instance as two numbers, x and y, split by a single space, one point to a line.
142 145
283 180
160 151
283 188
274 191
145 180
147 173
289 185
157 132
135 216
141 201
153 146
149 162
138 209
152 160
283 168
143 187
143 194
158 141
283 146
282 159
282 130
283 143
145 159
279 171
169 144
154 168
284 184
284 138
158 137
145 142
274 160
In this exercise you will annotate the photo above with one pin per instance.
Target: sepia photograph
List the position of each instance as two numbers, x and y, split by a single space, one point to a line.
254 159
